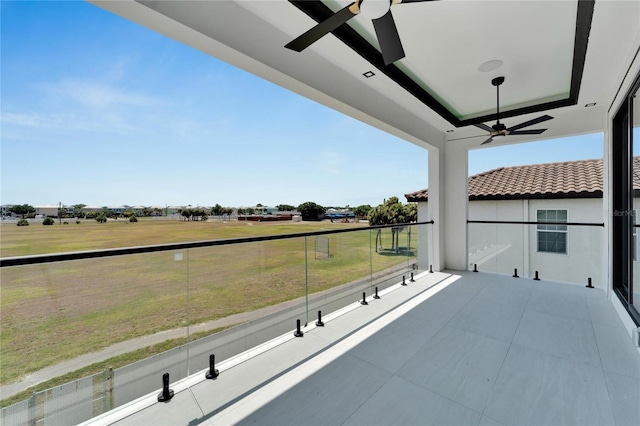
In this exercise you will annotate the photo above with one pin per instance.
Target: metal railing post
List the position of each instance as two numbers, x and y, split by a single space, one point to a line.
306 281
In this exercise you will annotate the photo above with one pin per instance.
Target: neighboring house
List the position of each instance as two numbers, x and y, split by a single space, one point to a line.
5 210
137 210
91 209
118 209
157 211
553 192
47 210
173 210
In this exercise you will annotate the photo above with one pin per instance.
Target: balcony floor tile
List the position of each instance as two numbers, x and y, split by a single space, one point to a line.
616 352
535 388
458 365
490 319
569 304
563 337
507 291
400 402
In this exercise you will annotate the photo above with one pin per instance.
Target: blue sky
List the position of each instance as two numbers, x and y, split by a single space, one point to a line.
100 111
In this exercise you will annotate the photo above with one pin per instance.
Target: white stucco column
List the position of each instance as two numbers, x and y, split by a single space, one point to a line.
435 208
448 174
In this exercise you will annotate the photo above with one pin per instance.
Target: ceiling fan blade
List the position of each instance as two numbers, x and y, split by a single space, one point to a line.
314 34
527 132
388 38
484 127
487 141
466 137
530 123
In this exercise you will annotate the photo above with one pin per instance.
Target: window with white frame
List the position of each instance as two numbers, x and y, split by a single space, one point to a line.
552 238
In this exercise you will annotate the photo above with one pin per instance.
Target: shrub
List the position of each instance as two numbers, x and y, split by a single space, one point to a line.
65 223
48 221
78 221
23 222
101 218
133 219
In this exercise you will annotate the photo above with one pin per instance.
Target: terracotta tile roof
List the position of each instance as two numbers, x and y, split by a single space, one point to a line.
570 179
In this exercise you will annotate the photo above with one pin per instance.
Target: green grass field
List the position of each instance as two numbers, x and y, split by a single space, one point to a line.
58 311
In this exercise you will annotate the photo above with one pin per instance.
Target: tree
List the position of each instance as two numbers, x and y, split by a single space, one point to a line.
362 210
186 213
23 209
199 213
101 217
285 207
77 210
217 210
311 210
390 213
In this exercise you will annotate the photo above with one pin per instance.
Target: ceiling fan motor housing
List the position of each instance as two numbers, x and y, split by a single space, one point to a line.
499 127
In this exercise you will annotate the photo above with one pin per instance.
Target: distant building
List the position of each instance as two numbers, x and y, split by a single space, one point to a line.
91 209
118 209
47 210
335 214
4 210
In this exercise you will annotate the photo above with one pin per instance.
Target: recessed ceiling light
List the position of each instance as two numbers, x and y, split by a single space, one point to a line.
590 105
490 65
449 131
369 74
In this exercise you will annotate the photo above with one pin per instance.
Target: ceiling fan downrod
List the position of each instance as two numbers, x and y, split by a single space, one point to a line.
497 82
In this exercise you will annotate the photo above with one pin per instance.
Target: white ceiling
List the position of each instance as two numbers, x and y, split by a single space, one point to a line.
445 42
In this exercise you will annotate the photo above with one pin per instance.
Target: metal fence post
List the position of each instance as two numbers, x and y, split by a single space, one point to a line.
32 410
109 395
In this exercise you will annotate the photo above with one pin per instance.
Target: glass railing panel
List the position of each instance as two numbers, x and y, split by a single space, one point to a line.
53 312
412 234
254 291
338 270
392 257
496 248
565 253
580 258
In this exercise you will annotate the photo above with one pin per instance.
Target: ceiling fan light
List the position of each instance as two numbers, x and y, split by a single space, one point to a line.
374 9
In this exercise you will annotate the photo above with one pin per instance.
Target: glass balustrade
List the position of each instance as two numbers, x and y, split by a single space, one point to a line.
141 312
566 252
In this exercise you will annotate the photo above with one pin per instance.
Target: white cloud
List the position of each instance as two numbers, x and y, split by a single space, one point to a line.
101 96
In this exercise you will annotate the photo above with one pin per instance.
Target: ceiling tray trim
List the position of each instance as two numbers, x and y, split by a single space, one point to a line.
318 11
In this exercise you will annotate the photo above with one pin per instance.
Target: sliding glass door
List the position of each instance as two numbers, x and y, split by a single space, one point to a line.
634 119
625 163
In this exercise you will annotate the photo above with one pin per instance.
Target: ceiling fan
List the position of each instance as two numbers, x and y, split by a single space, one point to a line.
383 23
499 129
